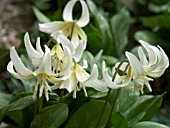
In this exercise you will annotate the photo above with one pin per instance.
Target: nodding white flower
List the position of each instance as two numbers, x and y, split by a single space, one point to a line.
119 80
79 78
76 51
43 73
69 27
153 66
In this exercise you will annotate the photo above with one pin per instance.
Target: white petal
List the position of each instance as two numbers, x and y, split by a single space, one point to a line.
81 74
32 53
142 56
97 85
99 54
45 66
10 68
72 82
84 19
65 42
135 64
38 46
78 52
52 26
166 60
85 64
94 73
19 66
68 10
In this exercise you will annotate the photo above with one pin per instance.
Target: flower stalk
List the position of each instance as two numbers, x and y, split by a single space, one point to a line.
108 96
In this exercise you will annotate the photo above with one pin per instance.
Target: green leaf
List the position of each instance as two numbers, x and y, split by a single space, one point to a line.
40 16
110 60
157 8
120 25
119 121
149 37
161 20
124 104
4 99
145 108
148 124
17 105
51 117
103 25
88 114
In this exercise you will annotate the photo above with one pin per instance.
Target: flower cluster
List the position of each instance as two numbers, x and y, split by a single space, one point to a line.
59 68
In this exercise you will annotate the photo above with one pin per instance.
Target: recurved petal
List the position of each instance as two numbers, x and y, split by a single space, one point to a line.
135 64
38 46
165 57
10 69
84 19
68 10
32 53
142 56
19 66
45 66
65 42
98 85
52 26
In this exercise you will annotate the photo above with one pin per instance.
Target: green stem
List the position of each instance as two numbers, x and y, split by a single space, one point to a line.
50 40
104 107
61 95
108 94
113 106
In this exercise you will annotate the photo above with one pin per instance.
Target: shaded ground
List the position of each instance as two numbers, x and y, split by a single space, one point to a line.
16 17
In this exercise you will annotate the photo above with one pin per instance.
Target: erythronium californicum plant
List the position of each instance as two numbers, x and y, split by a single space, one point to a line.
59 71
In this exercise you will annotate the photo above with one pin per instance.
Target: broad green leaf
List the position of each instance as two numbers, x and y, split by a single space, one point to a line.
148 124
88 114
94 41
157 8
119 121
127 98
120 25
40 16
17 105
110 60
51 117
17 117
103 26
145 104
149 37
4 99
161 20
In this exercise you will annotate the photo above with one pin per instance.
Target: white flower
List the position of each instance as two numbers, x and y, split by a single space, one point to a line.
120 80
79 78
157 61
153 66
139 73
43 73
69 27
76 52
